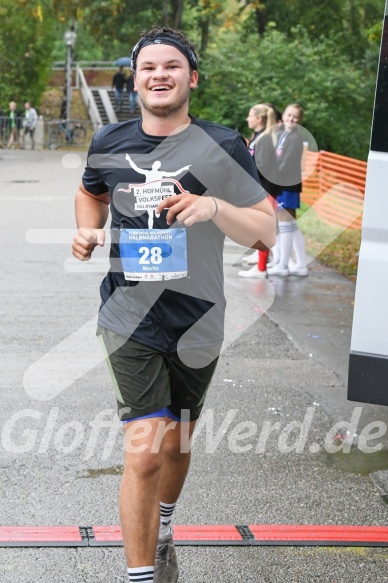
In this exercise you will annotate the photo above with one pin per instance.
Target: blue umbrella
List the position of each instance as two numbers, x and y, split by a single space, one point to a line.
123 62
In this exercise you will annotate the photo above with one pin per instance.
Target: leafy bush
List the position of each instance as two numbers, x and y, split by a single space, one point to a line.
336 94
26 41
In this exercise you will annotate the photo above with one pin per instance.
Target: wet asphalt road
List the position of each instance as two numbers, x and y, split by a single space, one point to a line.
287 363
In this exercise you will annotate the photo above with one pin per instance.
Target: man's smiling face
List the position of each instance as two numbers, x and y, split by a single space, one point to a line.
163 79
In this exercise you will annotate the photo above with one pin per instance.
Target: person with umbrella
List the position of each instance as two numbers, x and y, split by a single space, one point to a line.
118 84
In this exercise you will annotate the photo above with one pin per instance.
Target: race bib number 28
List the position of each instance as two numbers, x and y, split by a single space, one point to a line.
153 254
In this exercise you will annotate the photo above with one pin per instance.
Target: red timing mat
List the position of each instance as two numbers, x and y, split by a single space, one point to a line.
30 535
206 535
319 533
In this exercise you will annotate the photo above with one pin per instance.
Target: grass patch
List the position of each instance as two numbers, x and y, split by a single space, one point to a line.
331 247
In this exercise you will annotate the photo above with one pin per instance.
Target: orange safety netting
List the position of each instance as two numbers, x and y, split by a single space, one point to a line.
335 186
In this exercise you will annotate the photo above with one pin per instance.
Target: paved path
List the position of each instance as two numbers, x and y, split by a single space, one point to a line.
288 363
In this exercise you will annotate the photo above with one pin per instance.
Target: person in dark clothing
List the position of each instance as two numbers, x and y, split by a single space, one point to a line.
14 125
118 84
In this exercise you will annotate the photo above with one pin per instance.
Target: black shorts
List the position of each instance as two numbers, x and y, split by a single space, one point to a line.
147 381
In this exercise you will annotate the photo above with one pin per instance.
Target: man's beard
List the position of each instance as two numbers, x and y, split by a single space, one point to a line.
168 109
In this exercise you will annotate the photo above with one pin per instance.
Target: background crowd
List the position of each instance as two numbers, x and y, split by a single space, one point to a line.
18 125
120 82
277 148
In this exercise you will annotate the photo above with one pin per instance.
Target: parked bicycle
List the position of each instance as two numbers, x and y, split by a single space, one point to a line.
60 135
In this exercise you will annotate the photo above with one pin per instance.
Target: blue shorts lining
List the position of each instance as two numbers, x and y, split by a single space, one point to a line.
165 412
288 199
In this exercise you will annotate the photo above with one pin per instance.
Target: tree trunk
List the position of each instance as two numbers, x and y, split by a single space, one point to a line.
205 25
261 21
178 13
165 13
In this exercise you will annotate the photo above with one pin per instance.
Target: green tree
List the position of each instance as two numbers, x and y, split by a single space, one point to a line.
344 21
321 54
26 41
115 25
336 95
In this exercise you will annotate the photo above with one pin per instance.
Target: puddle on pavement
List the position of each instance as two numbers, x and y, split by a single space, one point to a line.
356 461
113 471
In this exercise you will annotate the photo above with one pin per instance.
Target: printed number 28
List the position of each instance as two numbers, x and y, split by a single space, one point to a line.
153 255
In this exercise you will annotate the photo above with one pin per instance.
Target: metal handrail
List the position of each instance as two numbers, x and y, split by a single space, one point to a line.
89 100
59 65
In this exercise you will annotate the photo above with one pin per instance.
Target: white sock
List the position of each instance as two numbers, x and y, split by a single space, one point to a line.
286 229
299 248
141 574
166 512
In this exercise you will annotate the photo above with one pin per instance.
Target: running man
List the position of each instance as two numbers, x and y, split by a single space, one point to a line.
162 336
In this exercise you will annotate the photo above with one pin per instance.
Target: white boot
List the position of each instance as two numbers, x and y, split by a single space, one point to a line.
251 259
299 268
253 273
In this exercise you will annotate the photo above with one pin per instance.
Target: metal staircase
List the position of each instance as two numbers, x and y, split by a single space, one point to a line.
100 106
104 100
99 102
124 114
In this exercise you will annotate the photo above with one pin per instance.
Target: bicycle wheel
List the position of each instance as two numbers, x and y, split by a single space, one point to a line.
78 134
56 138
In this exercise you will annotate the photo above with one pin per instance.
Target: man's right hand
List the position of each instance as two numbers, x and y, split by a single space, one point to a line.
85 241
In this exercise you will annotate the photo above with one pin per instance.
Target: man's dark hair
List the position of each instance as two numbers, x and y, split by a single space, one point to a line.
156 31
148 36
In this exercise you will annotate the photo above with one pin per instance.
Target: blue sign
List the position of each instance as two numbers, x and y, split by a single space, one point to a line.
153 254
